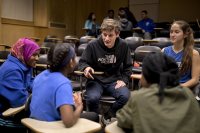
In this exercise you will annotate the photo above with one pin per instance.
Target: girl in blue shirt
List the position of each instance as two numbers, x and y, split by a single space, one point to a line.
181 35
52 94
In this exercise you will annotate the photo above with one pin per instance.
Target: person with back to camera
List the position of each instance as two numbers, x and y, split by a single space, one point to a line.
146 24
52 95
162 105
182 51
111 55
126 25
130 16
16 82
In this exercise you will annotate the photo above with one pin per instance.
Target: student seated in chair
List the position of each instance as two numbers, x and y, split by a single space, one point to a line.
161 105
16 81
52 93
183 52
111 55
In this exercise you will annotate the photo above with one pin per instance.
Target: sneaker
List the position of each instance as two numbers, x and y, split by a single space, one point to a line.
106 122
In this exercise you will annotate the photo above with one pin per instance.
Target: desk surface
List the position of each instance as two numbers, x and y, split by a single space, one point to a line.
2 60
196 41
35 38
13 111
158 28
42 65
72 38
54 38
137 29
136 76
149 41
113 128
82 126
5 45
81 72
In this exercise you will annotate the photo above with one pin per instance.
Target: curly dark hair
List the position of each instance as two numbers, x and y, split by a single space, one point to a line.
58 56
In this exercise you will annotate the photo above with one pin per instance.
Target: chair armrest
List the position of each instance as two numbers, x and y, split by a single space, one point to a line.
81 72
136 76
13 111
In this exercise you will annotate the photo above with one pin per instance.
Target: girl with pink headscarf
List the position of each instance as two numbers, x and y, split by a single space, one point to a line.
16 79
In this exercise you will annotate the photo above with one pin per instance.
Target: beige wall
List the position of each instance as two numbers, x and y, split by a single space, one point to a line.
166 10
73 14
179 9
152 6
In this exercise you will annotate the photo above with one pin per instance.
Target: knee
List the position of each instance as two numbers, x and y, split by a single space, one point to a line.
93 99
124 96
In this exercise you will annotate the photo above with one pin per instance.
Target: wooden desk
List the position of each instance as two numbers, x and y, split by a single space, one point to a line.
2 60
45 66
13 111
85 29
133 77
146 42
35 39
137 29
5 46
81 72
158 29
196 41
45 49
70 39
82 126
113 128
136 76
54 39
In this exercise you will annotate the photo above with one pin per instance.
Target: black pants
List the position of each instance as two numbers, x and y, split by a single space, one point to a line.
90 116
12 124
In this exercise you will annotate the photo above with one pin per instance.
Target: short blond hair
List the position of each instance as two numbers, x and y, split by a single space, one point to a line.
110 25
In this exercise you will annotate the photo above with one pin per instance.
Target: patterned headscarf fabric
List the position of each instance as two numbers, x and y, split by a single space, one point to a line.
24 48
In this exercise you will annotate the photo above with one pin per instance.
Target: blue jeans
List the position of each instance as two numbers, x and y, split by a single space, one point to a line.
94 91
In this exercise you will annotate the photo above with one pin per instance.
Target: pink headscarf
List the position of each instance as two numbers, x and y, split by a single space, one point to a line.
24 48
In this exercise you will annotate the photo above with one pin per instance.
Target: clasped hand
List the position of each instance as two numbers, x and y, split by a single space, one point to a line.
88 72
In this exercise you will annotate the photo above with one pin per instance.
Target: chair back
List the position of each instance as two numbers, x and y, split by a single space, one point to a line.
27 105
51 38
81 48
46 46
197 43
42 59
164 33
162 42
142 51
86 39
3 56
124 34
134 42
71 39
